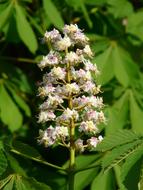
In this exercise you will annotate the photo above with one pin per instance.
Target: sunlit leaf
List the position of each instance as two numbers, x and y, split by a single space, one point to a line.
135 25
51 10
120 8
4 14
9 113
104 181
119 154
25 30
136 115
117 138
130 161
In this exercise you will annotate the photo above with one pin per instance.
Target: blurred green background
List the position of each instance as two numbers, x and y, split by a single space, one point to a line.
115 29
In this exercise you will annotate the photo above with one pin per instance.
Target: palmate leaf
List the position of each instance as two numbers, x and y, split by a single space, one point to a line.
120 8
130 161
123 67
135 26
19 182
7 183
104 181
136 115
4 14
117 138
118 113
84 178
105 63
53 13
14 165
15 77
21 103
9 113
119 154
25 30
26 149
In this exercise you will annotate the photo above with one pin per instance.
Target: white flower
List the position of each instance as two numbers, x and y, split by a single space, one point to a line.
100 138
81 75
64 43
79 145
72 58
88 87
92 142
88 127
67 115
96 102
101 118
70 29
52 102
46 90
88 51
47 137
90 66
46 116
52 35
51 59
58 73
61 132
79 37
71 88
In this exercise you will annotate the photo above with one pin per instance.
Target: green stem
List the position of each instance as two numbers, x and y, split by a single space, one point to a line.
71 180
72 135
18 59
37 160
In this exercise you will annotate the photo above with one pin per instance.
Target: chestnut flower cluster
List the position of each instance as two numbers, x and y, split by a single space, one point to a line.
69 92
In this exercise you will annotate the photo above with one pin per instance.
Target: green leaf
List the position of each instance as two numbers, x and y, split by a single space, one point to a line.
117 138
23 183
105 63
3 162
140 184
15 77
4 15
117 172
4 183
26 149
120 8
37 185
118 113
136 115
25 30
53 13
85 12
120 70
120 153
20 102
135 25
124 67
15 165
104 181
130 161
10 184
9 113
95 2
100 45
84 178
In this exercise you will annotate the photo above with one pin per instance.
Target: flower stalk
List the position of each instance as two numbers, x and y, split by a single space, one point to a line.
70 95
